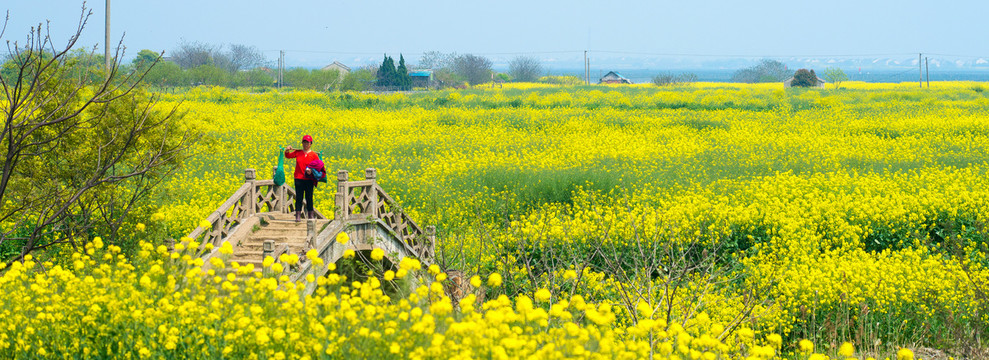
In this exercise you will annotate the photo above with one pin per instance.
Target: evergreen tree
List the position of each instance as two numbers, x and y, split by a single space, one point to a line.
402 74
386 73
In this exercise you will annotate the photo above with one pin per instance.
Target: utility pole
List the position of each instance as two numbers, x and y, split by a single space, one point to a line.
281 67
585 67
920 69
928 68
106 43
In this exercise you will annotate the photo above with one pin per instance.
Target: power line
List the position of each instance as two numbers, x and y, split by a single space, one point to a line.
962 56
896 75
591 52
746 56
421 53
326 52
534 52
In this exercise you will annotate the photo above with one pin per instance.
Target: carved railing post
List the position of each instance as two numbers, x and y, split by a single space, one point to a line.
430 248
283 198
276 206
343 209
267 248
250 197
372 175
217 232
311 233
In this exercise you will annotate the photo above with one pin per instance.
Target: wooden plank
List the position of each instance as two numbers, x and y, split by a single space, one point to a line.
360 184
234 198
382 193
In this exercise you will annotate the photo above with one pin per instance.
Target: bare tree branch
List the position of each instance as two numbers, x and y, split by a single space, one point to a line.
71 138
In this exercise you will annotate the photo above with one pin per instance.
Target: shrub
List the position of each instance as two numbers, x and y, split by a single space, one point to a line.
671 79
804 78
569 80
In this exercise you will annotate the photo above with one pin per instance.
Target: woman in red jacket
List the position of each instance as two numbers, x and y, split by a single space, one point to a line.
303 184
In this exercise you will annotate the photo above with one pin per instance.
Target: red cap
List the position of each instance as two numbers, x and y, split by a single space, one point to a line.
307 138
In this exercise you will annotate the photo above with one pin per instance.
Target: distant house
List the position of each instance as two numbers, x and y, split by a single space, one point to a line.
421 78
614 78
820 82
336 65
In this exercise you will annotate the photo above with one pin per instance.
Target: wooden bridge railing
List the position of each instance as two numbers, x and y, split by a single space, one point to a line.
252 197
365 200
356 201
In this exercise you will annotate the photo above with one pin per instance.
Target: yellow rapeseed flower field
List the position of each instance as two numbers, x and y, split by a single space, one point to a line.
814 217
168 305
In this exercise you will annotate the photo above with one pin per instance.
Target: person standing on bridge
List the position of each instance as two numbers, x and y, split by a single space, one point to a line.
304 184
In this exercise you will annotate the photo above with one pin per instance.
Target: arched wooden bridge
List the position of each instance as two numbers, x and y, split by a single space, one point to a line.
258 221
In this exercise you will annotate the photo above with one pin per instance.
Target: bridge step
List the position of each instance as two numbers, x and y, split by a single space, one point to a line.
259 255
243 262
279 238
278 227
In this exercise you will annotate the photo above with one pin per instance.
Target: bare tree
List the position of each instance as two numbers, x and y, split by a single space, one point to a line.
476 69
244 57
194 54
525 68
239 57
73 144
767 71
670 79
436 60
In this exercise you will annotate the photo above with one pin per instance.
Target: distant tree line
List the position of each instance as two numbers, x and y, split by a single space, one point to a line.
668 79
452 69
234 66
767 71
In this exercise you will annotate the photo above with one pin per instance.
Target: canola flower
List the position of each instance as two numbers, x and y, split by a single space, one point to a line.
161 306
836 202
806 346
494 280
377 254
846 350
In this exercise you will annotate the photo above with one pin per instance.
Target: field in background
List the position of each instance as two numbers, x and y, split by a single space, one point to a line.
857 214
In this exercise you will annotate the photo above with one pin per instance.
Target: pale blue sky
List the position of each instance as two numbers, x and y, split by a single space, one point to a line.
315 32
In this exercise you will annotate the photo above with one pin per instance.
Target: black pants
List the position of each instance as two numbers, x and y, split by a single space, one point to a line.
303 188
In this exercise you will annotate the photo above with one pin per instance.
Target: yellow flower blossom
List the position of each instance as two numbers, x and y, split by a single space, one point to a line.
494 280
846 349
806 346
543 295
